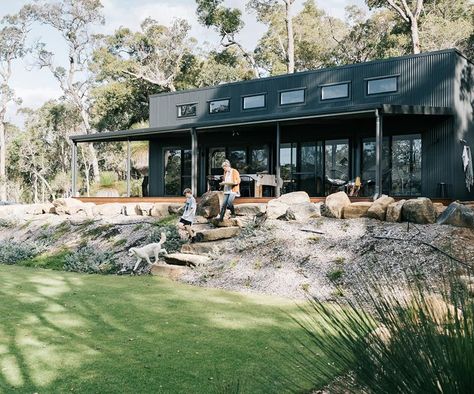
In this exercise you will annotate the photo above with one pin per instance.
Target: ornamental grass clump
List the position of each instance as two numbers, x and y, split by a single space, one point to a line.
391 339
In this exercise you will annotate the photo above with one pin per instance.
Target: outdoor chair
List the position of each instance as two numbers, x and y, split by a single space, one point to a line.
246 186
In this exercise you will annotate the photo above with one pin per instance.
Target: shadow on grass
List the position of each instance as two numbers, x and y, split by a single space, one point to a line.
87 333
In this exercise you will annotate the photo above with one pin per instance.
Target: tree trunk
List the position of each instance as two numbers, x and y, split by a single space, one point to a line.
3 154
290 51
415 36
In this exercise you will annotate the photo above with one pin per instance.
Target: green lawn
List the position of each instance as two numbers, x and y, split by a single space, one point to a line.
63 332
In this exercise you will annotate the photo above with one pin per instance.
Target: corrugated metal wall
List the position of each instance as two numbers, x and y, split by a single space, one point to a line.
425 79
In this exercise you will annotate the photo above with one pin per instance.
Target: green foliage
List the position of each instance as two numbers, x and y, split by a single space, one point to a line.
108 179
54 260
411 342
89 260
12 252
120 242
173 240
335 274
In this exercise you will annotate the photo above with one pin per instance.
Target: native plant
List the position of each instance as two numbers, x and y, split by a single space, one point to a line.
392 339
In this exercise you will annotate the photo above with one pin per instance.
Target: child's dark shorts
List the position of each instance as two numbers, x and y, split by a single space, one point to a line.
185 222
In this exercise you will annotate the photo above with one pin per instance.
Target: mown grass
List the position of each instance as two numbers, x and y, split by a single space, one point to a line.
65 332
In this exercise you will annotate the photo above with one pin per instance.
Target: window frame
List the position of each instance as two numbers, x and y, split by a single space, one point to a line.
214 100
185 116
349 91
368 80
243 97
280 92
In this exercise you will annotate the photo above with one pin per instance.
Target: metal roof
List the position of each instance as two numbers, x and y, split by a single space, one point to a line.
348 112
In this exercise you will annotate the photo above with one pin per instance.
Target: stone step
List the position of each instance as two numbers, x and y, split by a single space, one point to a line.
186 259
217 233
227 222
202 248
173 272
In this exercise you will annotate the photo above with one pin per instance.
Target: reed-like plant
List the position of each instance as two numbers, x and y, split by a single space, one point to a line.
392 339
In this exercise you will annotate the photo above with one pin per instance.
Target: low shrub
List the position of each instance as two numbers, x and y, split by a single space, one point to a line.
54 260
392 341
12 252
173 239
89 260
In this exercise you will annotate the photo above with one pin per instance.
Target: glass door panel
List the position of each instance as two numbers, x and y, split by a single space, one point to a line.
337 164
406 165
368 163
301 167
172 172
238 159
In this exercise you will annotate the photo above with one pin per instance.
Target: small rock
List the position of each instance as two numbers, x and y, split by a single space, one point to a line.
173 272
250 209
276 209
144 209
186 259
378 210
440 207
294 198
458 215
356 210
305 211
111 209
419 210
175 209
160 210
131 209
394 211
216 234
335 203
210 204
226 222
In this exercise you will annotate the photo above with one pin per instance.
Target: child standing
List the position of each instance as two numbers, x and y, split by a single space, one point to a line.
187 218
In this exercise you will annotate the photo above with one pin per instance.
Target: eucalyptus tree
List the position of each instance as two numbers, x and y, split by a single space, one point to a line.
155 54
74 20
228 23
409 11
266 11
13 32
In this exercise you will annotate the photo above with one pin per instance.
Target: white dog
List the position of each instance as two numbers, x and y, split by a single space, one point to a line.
147 251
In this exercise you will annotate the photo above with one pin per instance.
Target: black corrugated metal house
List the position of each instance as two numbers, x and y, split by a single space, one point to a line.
398 124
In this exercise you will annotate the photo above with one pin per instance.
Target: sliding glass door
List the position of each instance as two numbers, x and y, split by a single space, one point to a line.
406 165
401 165
302 167
336 164
177 165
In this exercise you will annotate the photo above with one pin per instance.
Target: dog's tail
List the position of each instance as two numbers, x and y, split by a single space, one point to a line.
163 238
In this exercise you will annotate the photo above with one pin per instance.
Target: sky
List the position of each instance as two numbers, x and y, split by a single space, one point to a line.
36 86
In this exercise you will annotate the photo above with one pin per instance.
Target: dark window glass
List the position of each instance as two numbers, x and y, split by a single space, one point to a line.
216 158
335 91
406 165
238 159
219 106
251 102
382 85
292 97
187 110
258 159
